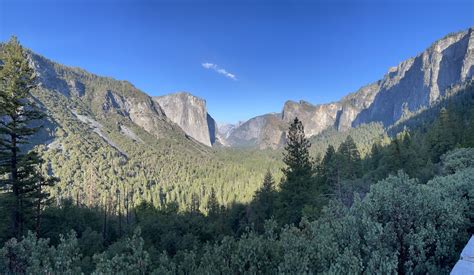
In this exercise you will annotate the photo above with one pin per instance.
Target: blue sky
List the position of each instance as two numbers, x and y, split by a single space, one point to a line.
245 58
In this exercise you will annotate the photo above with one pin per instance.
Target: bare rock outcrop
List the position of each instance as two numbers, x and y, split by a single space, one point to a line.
190 113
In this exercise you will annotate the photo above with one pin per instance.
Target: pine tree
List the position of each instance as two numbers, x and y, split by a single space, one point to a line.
468 137
374 162
375 156
213 207
411 158
297 188
441 135
391 160
40 197
350 165
194 206
20 169
262 206
329 168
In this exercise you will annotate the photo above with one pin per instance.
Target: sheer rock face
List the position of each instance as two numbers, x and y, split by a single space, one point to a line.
420 81
190 113
315 118
414 84
144 112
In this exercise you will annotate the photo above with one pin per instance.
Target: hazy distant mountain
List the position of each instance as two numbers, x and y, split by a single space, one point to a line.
225 129
414 84
266 131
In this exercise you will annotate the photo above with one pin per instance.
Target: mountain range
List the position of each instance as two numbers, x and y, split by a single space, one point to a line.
413 85
104 134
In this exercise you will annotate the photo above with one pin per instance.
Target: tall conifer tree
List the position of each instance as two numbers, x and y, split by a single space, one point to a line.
329 168
297 186
263 203
213 208
350 165
441 135
19 168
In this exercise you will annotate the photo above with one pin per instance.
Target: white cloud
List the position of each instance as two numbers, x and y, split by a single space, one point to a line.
208 65
217 69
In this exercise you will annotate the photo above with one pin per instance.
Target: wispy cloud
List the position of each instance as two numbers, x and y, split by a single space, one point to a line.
219 70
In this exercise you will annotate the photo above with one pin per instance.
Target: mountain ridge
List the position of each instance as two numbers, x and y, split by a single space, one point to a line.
413 84
106 136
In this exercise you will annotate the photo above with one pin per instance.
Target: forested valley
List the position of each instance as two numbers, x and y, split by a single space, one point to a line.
369 200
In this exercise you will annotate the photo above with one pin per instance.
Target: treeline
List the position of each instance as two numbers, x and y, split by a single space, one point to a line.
22 182
406 207
172 168
159 171
400 225
364 135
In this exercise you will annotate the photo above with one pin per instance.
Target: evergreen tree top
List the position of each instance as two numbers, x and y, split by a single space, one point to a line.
268 182
296 155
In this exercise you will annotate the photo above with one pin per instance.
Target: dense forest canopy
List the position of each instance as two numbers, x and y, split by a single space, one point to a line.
359 201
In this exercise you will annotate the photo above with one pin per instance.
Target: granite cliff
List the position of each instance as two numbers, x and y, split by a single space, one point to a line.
413 85
421 81
190 113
